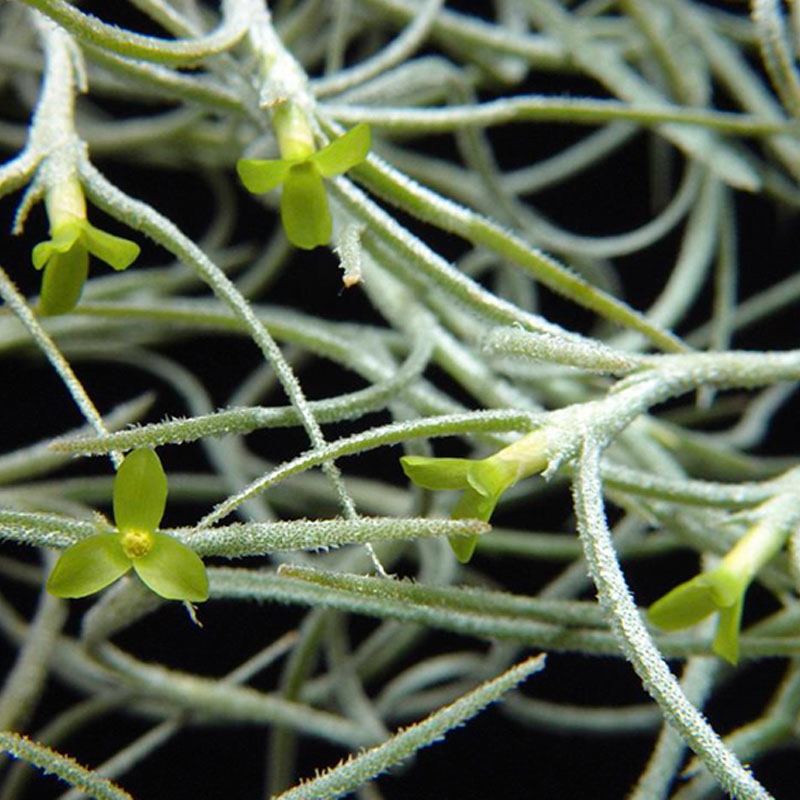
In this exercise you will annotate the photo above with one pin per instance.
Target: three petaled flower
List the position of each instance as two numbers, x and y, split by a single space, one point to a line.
304 202
483 481
719 591
171 569
722 590
65 259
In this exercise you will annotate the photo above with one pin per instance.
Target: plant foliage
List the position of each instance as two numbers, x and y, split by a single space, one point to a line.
425 280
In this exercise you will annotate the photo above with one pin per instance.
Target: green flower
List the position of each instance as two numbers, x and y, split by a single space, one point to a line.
65 259
171 569
718 592
304 202
721 591
483 481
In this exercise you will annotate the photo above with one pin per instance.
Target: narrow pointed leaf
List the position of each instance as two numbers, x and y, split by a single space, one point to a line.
140 491
63 281
436 473
343 153
685 605
115 251
348 776
293 131
88 566
261 175
304 207
173 570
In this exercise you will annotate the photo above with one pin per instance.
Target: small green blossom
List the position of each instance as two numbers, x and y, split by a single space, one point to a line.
171 569
304 202
721 590
65 255
718 591
65 260
483 481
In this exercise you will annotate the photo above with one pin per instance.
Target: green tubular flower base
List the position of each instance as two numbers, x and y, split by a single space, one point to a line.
171 569
305 215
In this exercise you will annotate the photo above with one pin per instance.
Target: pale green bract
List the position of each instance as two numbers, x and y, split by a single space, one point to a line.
305 214
65 260
171 569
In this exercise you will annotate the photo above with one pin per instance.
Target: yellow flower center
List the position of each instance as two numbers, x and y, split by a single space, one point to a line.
137 543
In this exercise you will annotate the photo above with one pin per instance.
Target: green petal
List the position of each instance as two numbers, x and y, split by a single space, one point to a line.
173 570
487 479
726 640
343 153
61 240
261 175
436 473
88 566
42 253
685 605
140 491
304 207
492 476
63 281
727 587
471 505
474 505
115 251
463 546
